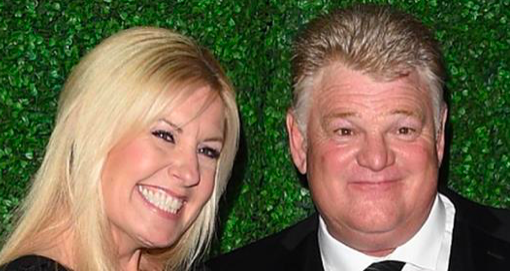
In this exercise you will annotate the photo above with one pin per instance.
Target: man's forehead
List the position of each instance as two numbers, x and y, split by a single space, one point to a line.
339 80
338 72
348 100
337 104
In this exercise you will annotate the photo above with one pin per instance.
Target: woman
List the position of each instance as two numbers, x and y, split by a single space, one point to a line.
143 145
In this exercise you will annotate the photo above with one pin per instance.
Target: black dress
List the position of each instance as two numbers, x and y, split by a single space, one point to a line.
33 263
40 263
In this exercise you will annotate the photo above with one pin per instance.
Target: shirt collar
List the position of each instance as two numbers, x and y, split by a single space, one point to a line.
422 250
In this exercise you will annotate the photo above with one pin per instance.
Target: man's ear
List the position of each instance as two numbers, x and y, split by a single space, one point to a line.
440 138
297 143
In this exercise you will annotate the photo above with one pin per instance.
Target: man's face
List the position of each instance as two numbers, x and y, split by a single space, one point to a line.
371 156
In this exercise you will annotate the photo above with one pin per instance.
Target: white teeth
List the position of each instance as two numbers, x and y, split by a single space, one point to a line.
161 199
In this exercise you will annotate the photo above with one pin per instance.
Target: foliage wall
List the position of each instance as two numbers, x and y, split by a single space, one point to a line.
40 41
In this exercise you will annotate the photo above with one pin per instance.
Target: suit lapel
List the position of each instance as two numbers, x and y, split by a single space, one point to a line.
461 256
303 246
473 250
474 246
306 256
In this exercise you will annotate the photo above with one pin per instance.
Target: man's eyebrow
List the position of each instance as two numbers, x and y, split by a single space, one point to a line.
340 115
409 113
173 125
347 114
328 118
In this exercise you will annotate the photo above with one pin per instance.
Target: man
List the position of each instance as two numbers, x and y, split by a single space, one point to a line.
367 128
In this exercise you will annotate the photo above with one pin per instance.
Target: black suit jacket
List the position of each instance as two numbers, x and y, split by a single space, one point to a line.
481 241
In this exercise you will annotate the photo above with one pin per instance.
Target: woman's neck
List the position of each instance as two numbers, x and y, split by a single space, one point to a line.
130 261
60 250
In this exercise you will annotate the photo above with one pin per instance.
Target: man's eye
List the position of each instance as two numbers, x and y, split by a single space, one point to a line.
164 135
209 152
405 131
345 132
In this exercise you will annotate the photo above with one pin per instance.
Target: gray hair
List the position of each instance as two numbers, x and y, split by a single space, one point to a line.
376 40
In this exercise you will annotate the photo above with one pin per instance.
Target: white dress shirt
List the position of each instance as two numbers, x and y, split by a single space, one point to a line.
427 250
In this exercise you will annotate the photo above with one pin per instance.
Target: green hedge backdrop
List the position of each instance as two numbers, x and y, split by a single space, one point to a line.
40 41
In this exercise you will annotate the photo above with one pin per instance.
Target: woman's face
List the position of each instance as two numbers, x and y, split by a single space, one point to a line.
155 184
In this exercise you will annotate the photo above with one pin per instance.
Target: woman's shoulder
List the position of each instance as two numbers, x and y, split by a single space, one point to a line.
32 263
200 267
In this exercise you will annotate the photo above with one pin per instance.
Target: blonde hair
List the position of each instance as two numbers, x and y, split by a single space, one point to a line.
376 40
121 87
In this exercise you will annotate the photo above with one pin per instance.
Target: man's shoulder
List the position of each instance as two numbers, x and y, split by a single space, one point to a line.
487 220
274 252
481 236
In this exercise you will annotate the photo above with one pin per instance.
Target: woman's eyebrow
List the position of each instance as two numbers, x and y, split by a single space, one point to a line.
215 139
179 130
173 125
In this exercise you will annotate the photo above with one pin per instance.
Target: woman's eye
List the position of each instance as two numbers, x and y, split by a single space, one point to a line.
209 152
164 135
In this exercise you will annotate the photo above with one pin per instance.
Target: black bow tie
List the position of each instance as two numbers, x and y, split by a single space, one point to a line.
386 266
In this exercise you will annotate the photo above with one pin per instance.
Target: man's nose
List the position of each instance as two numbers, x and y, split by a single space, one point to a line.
375 153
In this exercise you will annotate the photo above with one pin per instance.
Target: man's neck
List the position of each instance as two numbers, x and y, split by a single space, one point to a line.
378 253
